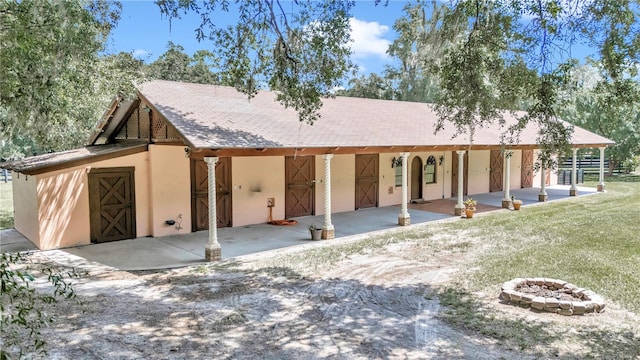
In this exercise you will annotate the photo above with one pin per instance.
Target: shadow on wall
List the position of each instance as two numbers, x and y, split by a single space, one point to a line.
63 217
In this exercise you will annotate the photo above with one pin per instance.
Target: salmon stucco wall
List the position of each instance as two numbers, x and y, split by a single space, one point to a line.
388 193
25 207
254 180
343 183
479 161
516 169
170 182
63 202
553 176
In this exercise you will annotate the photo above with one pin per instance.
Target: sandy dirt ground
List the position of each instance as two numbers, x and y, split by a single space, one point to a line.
378 305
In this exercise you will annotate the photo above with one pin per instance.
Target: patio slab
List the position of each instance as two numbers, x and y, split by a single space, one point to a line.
188 249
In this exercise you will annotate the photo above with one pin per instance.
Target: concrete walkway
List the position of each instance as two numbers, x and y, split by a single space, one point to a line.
188 249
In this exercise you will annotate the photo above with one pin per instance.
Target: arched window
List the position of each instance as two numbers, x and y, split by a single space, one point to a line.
430 170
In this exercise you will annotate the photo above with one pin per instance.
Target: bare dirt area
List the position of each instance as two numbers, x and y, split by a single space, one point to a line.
378 304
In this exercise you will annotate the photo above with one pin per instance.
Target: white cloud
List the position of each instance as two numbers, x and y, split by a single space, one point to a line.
367 39
140 53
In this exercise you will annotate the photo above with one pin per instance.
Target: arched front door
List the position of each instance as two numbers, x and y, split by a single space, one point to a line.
416 178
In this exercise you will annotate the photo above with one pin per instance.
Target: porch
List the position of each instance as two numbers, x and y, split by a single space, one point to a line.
184 250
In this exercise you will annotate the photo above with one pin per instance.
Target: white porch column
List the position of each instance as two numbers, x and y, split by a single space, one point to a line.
506 202
212 252
460 193
542 196
601 182
573 191
404 218
328 231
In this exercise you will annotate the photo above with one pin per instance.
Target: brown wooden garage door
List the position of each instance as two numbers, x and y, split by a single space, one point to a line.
200 194
366 181
526 170
495 172
112 206
454 174
300 184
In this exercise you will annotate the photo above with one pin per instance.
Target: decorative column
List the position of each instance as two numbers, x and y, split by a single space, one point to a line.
506 202
601 182
404 218
328 231
573 191
212 252
542 196
460 205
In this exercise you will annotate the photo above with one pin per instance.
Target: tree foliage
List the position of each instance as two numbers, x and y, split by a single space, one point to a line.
298 49
23 307
54 85
176 65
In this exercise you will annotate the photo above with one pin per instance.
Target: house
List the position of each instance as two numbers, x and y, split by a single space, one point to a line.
151 164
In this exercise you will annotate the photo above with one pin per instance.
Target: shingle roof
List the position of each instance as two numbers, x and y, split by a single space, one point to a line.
64 159
211 116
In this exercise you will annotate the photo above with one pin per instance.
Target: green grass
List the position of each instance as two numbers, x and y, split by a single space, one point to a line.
6 206
593 242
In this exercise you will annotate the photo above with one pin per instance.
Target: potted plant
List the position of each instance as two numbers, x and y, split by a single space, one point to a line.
470 207
316 232
516 203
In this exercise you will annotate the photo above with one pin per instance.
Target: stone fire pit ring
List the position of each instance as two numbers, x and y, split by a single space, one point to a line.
551 295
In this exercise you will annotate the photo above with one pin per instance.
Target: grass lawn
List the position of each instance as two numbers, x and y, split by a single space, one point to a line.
591 241
6 206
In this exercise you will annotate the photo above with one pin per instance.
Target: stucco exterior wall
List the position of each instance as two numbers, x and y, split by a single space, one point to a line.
553 177
170 190
343 183
25 207
255 179
63 202
388 193
516 169
479 161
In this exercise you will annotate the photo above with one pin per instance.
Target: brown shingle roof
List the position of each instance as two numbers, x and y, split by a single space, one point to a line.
64 159
210 116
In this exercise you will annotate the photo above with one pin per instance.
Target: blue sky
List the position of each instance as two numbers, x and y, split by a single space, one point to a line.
143 31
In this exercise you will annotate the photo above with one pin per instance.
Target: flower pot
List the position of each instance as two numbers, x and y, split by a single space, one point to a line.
469 212
316 234
516 205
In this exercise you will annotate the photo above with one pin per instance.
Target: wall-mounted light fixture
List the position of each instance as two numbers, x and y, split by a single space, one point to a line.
396 162
187 151
441 160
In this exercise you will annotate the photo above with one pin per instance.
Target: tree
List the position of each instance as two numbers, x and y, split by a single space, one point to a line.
176 65
518 54
301 52
23 307
594 107
54 85
372 86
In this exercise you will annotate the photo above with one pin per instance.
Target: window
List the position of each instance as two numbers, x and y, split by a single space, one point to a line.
430 170
398 168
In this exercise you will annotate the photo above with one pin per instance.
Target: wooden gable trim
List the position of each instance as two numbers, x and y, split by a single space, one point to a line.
157 112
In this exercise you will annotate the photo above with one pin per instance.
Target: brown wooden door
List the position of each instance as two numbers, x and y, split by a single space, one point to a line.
416 178
495 173
526 170
200 194
112 206
454 174
366 181
299 194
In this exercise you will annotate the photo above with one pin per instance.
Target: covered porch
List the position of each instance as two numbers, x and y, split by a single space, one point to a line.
187 249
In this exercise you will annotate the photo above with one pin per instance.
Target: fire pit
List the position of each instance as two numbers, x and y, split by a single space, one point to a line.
551 295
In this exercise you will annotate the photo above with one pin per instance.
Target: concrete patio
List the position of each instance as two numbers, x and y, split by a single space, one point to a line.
188 249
